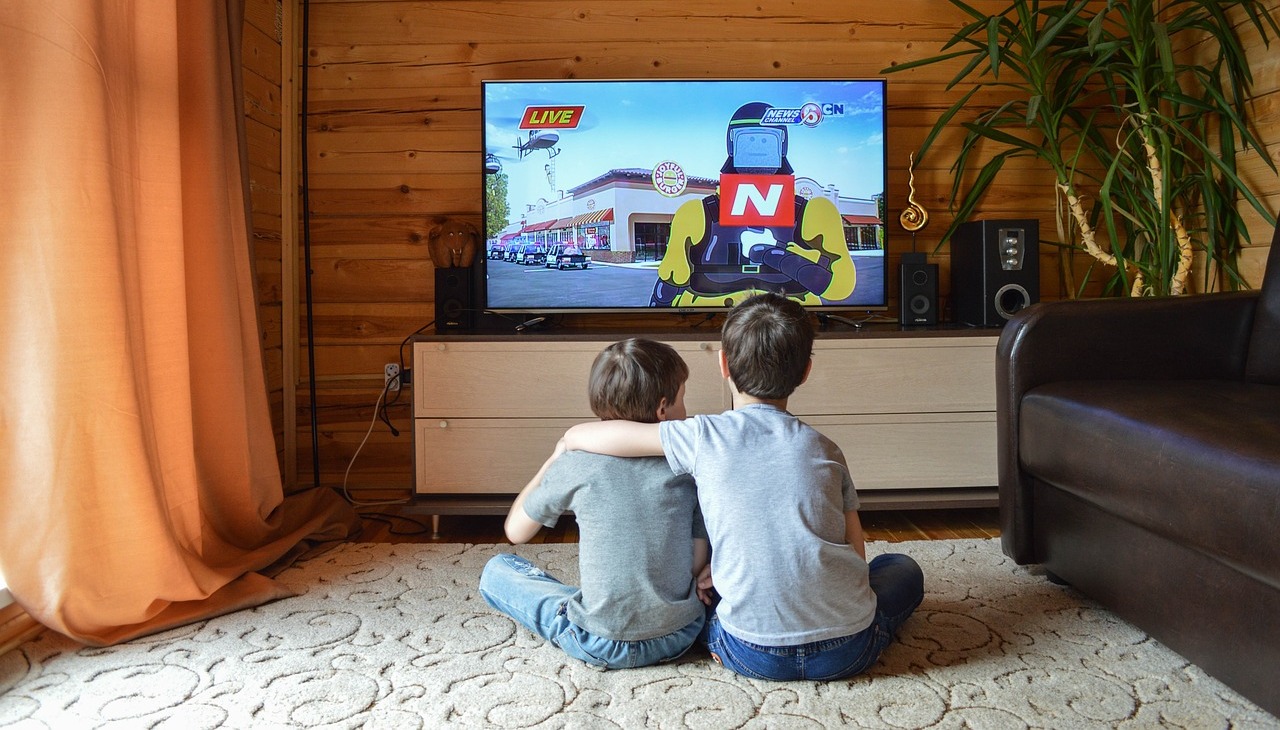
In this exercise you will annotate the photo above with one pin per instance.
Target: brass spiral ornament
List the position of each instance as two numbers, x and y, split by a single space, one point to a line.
914 216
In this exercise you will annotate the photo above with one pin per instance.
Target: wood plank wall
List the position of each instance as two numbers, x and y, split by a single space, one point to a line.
394 138
1264 63
264 89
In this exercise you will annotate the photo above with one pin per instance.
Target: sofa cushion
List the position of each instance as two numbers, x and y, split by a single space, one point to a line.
1197 461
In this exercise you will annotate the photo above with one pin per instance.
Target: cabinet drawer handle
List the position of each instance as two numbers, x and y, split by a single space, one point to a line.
444 424
705 346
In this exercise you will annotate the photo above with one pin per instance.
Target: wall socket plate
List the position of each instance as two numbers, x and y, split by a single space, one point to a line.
391 380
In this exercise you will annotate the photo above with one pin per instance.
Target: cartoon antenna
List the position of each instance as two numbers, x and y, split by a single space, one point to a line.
914 217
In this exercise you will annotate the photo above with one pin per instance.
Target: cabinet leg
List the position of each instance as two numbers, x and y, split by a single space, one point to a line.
435 527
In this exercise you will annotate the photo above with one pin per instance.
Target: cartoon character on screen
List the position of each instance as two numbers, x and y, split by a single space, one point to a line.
754 233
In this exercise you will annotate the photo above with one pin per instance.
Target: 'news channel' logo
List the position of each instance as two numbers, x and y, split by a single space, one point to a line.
810 115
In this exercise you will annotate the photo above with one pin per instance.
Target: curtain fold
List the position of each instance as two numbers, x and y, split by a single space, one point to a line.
139 487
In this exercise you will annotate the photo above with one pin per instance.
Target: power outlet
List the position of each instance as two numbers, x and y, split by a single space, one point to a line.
391 371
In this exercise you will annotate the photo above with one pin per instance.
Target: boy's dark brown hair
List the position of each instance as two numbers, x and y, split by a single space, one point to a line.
630 378
767 341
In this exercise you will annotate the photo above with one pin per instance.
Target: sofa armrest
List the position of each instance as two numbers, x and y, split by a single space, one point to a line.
1171 338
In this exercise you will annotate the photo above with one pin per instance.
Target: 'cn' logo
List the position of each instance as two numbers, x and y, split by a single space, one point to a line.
551 117
757 200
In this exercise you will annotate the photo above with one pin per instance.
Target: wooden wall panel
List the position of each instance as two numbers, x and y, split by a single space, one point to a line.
1264 64
394 149
261 72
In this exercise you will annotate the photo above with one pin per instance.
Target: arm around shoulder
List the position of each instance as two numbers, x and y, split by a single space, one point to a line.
615 438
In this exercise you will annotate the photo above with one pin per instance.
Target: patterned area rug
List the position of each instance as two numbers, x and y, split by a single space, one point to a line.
395 636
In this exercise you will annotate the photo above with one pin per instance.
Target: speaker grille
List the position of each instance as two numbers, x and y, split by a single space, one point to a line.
454 308
995 270
917 291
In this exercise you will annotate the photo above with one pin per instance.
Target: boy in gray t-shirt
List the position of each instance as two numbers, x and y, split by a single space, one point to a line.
641 538
798 599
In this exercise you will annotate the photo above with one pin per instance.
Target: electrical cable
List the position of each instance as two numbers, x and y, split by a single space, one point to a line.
306 246
380 413
705 318
384 417
347 474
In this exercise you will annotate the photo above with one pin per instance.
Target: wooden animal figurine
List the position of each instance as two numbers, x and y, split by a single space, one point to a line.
452 244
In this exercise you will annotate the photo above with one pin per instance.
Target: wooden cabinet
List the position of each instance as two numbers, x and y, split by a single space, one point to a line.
488 411
914 412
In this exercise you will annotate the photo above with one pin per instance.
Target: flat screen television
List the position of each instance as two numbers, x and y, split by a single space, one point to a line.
686 195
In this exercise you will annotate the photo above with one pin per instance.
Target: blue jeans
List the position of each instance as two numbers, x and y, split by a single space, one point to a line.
898 584
538 602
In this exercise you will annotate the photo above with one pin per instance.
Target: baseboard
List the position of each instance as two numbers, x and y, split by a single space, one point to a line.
944 498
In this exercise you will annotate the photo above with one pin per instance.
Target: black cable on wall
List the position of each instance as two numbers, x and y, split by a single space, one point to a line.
306 245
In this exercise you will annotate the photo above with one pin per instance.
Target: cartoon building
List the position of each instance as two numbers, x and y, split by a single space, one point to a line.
621 217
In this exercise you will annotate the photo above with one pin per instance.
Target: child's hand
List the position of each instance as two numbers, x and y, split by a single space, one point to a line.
705 584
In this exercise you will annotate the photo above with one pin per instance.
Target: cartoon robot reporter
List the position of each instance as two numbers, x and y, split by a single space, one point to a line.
754 234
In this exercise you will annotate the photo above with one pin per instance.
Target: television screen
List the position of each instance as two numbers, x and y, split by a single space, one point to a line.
687 195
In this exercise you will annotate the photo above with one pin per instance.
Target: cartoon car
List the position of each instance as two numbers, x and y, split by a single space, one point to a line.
567 256
497 251
532 254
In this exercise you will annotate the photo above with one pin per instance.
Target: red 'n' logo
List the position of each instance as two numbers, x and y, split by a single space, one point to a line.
551 117
757 200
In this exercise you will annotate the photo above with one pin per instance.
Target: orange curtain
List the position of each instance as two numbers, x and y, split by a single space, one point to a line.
139 487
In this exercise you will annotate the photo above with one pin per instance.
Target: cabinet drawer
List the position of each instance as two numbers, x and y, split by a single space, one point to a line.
516 380
939 375
482 455
499 456
915 451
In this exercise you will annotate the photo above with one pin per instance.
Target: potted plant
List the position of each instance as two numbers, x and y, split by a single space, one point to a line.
1139 110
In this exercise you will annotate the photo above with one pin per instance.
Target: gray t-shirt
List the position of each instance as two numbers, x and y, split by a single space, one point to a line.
774 492
636 524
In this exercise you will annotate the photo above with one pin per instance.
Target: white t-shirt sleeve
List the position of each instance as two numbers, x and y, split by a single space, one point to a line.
679 443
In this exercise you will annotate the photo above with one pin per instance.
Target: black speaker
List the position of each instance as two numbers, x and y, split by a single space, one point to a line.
455 308
995 270
917 291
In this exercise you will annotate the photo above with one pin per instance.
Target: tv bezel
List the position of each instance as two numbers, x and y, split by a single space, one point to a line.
481 281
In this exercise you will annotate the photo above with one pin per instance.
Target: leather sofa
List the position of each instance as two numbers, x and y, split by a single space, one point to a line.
1139 462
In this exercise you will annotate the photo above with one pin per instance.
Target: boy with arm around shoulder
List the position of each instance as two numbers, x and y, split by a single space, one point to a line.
641 538
798 599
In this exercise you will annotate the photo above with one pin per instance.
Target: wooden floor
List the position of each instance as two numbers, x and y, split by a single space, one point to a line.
389 525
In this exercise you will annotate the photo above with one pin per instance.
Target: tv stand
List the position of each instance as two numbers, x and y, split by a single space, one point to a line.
913 411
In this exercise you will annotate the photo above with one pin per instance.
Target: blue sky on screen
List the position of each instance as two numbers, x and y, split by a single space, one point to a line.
637 124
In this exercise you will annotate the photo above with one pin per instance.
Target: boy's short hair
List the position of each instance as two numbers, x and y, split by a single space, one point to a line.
768 342
630 378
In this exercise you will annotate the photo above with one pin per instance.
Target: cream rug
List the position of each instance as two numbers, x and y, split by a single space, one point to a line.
395 636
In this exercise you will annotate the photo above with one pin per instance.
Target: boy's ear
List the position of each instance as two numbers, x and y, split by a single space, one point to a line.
724 365
807 369
662 410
